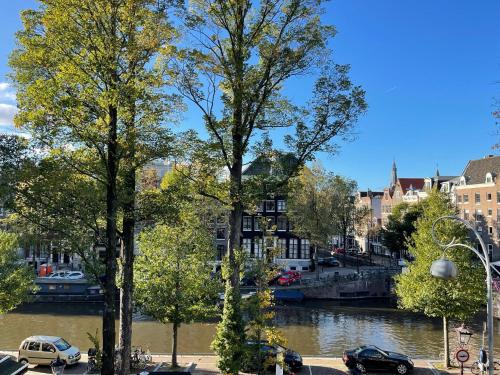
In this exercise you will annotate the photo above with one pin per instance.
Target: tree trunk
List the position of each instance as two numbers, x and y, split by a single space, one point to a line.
235 221
344 240
446 361
127 282
108 321
316 261
127 255
175 328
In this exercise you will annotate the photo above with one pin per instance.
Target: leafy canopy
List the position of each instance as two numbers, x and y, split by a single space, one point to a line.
418 291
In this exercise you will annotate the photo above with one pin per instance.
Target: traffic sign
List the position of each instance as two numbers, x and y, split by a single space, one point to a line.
462 355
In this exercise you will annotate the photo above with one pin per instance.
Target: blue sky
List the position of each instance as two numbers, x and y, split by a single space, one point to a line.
430 69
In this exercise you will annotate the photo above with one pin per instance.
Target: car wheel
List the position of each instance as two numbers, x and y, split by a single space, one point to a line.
361 368
24 361
402 369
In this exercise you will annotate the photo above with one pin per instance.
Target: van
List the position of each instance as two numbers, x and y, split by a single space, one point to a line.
41 350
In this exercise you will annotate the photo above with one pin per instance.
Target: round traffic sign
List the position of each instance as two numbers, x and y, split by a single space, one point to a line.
462 355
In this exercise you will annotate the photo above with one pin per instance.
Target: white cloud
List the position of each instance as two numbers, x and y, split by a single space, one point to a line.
6 93
7 112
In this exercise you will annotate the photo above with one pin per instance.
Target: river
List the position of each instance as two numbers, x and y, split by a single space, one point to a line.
312 328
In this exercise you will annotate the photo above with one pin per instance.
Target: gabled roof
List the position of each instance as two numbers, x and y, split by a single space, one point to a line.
476 170
411 183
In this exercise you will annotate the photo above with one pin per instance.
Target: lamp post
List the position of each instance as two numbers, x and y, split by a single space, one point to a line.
445 269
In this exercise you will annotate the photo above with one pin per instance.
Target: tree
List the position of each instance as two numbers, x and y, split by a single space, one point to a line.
16 279
173 282
418 291
311 207
396 236
346 214
86 80
244 53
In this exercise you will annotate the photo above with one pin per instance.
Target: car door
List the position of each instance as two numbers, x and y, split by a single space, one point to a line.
372 359
33 352
48 353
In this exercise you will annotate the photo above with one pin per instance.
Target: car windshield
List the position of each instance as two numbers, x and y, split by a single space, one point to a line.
62 345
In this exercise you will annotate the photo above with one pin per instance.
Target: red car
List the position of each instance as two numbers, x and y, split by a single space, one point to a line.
339 250
289 277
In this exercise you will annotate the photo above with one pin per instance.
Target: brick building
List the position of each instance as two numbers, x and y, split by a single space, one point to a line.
478 200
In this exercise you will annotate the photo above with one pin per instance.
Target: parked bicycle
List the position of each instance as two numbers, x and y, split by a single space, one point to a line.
140 359
92 365
479 365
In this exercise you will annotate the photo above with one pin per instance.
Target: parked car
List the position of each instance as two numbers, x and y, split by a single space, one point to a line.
353 251
338 250
74 275
328 262
57 275
41 350
292 359
9 366
372 358
289 277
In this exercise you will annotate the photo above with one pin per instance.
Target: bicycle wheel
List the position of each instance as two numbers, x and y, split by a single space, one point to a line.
474 368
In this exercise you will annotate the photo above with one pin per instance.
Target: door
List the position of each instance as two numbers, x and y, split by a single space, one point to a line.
48 353
373 360
33 352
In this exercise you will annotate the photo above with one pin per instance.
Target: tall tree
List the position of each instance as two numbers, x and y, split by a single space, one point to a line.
173 282
346 214
16 279
86 80
418 291
396 235
244 54
310 207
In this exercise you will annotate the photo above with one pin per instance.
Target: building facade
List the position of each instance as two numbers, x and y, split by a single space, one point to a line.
477 197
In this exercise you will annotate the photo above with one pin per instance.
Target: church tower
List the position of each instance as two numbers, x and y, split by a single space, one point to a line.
394 176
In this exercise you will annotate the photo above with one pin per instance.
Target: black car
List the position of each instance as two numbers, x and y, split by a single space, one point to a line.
292 359
328 262
371 358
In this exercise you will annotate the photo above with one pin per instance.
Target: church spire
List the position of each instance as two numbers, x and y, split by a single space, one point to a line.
394 176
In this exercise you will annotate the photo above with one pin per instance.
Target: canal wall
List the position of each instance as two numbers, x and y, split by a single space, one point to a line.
363 285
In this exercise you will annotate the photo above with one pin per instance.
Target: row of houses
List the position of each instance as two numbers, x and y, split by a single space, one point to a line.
475 193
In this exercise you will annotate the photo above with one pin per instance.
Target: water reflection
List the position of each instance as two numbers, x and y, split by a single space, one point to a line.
314 328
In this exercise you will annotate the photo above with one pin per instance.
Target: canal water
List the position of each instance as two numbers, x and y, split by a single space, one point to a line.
312 328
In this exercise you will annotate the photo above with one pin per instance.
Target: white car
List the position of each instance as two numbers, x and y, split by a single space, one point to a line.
41 350
74 275
58 275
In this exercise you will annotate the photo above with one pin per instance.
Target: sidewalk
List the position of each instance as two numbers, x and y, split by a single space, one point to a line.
206 364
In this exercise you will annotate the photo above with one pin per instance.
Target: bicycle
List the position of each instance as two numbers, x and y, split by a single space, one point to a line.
140 359
476 368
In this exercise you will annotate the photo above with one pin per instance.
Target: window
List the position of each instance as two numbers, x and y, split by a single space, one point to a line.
34 346
247 245
477 198
46 347
282 223
498 196
221 233
490 230
306 249
478 215
281 205
459 198
260 207
247 223
294 248
466 198
489 178
270 206
488 196
282 247
466 214
490 249
498 215
221 250
490 212
256 223
270 223
257 247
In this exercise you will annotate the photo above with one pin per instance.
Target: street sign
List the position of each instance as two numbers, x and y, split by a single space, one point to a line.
462 355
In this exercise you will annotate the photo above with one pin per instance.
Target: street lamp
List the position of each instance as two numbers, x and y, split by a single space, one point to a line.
446 269
463 335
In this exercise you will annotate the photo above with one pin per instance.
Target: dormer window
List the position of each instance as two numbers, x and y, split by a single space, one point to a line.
489 178
462 181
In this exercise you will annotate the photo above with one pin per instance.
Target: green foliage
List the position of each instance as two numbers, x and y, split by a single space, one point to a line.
322 204
173 274
230 336
16 278
96 344
418 291
396 235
